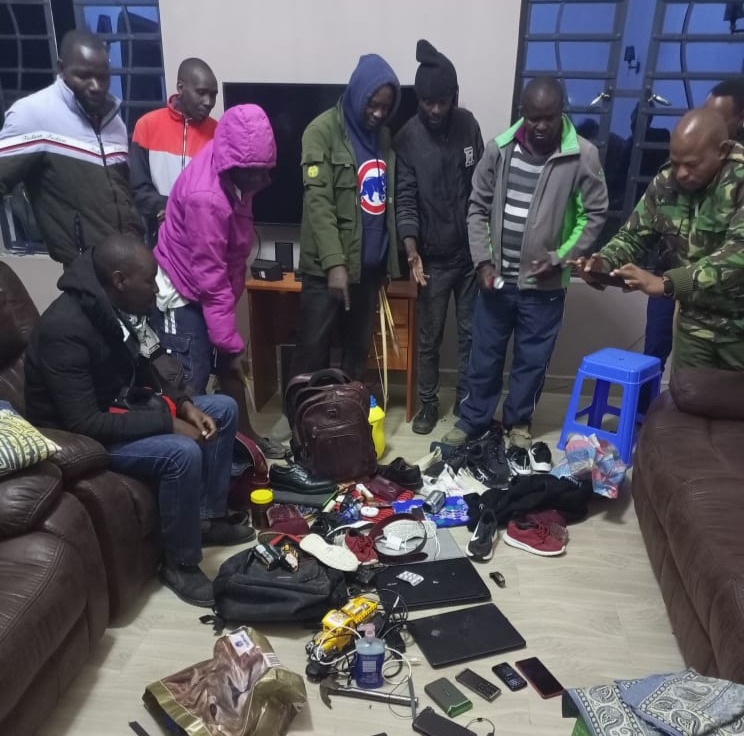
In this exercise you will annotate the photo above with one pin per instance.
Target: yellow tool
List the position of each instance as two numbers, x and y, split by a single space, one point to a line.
339 623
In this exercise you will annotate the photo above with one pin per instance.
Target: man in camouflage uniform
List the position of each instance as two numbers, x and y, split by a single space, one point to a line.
693 209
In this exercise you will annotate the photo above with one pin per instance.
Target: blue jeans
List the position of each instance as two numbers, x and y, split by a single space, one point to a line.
534 317
194 478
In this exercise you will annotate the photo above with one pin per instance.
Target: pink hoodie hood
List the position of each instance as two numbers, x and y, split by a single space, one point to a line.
207 235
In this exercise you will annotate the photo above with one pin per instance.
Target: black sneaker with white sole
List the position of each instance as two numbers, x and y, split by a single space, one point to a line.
541 459
480 546
519 461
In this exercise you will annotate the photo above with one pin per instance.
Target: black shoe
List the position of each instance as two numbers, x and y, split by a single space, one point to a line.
480 546
227 531
405 475
487 460
272 449
296 479
189 583
426 419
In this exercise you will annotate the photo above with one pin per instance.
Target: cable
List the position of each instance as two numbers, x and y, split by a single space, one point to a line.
483 720
260 242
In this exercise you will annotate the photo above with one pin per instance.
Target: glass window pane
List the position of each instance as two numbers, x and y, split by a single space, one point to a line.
701 89
584 56
9 55
588 17
541 56
145 87
30 19
672 90
150 15
725 58
709 18
674 18
581 92
35 54
100 18
543 18
668 59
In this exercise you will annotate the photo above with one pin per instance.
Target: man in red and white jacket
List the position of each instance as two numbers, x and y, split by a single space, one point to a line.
165 140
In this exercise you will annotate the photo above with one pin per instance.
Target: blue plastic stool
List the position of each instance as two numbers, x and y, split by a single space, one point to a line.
608 366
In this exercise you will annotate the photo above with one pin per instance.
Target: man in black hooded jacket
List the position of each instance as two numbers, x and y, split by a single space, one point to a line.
90 355
437 151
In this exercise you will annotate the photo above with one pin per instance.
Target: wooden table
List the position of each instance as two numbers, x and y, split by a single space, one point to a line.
274 308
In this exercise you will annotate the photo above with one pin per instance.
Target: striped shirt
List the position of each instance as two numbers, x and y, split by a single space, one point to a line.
524 172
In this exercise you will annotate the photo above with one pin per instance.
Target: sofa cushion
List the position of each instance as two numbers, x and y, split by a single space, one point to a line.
709 392
77 453
45 591
21 444
27 497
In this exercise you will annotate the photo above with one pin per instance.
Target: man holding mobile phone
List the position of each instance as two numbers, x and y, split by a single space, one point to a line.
694 208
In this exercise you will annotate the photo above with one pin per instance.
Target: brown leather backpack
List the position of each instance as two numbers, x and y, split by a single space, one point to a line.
331 434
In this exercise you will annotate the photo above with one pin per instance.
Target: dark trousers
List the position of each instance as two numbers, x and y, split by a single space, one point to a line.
431 315
534 318
321 314
658 339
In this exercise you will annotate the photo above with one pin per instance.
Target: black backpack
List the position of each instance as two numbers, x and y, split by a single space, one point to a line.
245 591
329 417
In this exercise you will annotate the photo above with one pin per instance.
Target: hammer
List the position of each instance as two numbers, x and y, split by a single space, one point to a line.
329 685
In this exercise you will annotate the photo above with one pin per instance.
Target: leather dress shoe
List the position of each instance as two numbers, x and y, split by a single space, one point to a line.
403 473
296 479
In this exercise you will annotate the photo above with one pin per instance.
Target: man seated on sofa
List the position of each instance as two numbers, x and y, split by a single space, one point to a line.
90 347
693 210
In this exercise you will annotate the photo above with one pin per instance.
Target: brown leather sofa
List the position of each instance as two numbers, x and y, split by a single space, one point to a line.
688 488
111 517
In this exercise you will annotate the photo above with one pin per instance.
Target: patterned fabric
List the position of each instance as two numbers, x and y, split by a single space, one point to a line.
453 513
21 444
699 236
681 704
524 173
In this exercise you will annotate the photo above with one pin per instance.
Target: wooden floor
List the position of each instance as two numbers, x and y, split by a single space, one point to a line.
592 616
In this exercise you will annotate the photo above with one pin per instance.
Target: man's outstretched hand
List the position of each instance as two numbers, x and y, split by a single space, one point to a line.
638 279
584 267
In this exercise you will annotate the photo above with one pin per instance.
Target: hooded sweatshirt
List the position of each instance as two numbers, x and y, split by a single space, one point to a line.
78 360
371 73
207 235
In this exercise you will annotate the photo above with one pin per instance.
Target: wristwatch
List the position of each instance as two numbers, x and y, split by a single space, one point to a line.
668 288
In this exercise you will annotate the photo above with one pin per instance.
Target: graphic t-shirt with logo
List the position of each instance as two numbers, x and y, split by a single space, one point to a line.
372 186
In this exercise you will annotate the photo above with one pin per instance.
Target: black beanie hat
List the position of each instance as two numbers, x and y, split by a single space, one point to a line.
436 77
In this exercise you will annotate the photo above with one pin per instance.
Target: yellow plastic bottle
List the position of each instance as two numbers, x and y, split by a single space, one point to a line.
376 420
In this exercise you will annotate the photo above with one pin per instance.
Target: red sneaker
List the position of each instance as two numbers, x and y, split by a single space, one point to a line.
534 538
553 520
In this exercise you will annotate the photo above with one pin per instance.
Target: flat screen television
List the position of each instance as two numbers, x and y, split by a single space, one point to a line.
291 107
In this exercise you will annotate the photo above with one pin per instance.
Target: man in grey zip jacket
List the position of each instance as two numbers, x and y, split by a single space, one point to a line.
539 199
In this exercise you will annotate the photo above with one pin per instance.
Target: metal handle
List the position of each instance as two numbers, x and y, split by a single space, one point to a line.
375 696
600 98
659 100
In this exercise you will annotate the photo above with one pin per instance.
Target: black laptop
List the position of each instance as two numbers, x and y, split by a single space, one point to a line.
457 636
446 583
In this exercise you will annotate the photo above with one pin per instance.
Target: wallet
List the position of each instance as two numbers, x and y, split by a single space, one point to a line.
429 723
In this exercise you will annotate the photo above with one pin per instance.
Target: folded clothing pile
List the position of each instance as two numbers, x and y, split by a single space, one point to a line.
589 458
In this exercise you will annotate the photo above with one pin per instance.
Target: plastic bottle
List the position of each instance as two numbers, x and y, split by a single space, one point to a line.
370 656
376 420
262 499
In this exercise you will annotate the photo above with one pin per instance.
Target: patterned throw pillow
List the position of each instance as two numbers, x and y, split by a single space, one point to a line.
21 444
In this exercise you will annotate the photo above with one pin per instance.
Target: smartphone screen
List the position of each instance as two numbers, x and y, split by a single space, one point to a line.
540 678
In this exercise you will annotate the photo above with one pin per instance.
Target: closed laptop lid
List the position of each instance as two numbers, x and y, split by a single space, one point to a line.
469 633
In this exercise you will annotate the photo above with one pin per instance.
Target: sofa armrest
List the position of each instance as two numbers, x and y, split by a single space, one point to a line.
26 498
78 454
709 392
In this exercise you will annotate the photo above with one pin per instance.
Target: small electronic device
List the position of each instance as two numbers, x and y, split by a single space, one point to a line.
509 676
448 697
497 578
429 723
434 502
266 270
473 681
284 255
540 677
606 280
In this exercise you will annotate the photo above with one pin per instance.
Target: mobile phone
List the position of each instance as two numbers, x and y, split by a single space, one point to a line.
429 723
607 280
509 676
540 677
473 681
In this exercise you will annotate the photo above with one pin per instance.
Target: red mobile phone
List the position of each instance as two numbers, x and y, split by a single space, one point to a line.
540 677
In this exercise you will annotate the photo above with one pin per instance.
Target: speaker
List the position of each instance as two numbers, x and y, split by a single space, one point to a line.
284 253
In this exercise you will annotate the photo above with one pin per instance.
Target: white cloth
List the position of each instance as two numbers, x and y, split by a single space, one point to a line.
168 297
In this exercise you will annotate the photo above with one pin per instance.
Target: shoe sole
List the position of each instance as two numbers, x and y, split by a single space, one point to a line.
479 558
541 467
339 558
185 599
526 547
419 430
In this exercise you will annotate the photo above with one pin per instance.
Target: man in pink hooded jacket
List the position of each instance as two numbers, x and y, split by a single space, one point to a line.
202 250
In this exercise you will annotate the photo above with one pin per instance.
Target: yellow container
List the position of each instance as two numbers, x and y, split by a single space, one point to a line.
262 499
377 420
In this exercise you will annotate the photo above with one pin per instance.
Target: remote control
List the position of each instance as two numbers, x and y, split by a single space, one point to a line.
478 684
509 676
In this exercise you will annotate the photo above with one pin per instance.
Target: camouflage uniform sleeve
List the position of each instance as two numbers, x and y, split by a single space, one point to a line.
639 234
719 276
